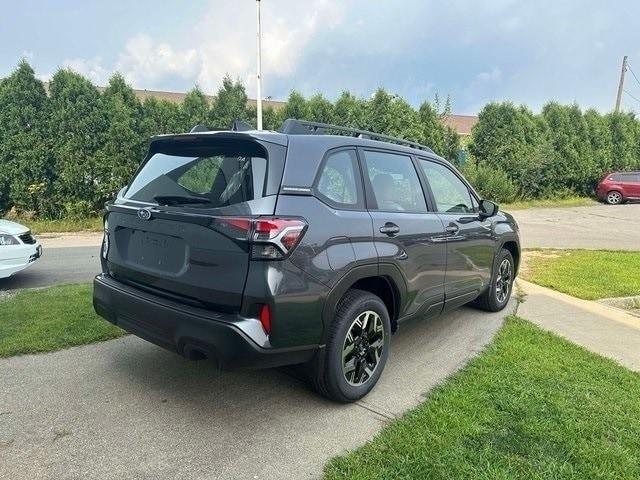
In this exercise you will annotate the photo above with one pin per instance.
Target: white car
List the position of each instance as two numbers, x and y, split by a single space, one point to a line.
18 248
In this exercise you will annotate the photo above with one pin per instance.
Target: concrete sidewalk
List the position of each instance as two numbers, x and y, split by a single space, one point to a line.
602 329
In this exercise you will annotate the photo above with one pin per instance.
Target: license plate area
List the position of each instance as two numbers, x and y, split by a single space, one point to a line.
153 251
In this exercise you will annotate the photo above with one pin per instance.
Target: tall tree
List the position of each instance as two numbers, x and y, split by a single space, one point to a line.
320 109
296 107
77 123
350 111
230 104
25 172
194 110
568 134
124 141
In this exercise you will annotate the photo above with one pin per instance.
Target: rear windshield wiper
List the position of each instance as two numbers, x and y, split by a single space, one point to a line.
179 200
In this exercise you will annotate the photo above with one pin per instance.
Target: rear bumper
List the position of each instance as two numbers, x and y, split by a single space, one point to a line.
228 338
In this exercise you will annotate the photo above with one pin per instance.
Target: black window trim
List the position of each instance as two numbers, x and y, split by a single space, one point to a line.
361 202
453 170
369 194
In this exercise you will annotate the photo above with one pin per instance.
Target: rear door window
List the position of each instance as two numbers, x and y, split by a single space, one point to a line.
394 182
206 178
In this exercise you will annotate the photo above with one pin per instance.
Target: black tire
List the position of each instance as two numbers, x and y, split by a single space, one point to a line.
326 370
614 198
493 299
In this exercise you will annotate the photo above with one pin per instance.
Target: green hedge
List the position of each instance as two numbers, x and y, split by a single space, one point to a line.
65 152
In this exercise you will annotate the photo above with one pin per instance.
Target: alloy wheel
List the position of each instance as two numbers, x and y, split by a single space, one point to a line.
503 280
614 198
362 348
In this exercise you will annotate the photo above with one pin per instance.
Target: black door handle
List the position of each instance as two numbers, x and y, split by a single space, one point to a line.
452 229
390 229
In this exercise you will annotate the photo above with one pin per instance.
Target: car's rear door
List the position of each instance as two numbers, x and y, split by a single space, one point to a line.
634 185
406 234
470 243
181 227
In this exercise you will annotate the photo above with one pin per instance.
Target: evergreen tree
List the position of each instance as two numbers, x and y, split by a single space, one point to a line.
296 107
230 105
25 172
76 127
124 141
194 110
320 109
350 111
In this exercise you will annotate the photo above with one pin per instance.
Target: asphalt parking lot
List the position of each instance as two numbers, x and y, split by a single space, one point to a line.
615 227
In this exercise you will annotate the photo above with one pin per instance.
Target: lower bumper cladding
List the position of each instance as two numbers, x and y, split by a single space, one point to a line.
186 330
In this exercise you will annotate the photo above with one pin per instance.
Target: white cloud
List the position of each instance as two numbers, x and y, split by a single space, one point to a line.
147 61
91 68
491 76
223 42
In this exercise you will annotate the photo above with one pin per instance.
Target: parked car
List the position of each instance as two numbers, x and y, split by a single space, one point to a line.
618 187
262 249
18 248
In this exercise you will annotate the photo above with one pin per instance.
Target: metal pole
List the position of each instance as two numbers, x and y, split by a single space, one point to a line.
259 45
621 84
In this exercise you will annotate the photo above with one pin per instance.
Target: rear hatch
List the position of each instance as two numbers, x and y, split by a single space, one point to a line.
180 228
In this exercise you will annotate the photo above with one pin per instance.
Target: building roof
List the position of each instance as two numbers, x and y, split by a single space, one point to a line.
461 123
178 97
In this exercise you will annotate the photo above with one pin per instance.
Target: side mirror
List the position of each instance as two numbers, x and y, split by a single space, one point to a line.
488 208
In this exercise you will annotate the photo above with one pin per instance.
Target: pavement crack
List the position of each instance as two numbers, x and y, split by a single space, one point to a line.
377 410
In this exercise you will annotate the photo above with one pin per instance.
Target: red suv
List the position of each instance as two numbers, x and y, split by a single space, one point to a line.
618 187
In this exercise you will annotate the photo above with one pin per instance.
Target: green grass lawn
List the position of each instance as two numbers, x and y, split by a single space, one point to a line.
588 274
549 203
88 224
531 406
51 319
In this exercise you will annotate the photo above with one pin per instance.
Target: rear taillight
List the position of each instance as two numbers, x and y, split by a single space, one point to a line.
271 238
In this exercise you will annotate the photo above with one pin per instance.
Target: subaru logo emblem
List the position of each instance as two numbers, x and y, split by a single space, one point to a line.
144 214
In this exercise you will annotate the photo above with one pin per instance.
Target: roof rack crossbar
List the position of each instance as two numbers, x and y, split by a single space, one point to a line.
293 126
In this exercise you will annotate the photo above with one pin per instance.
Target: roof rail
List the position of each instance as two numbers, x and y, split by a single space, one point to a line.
292 126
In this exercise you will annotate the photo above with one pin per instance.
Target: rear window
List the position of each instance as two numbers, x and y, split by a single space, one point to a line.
206 176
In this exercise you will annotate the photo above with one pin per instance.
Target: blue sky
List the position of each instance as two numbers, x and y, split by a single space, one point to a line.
476 51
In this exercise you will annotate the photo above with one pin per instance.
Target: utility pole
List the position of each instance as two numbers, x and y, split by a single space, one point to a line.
259 75
621 84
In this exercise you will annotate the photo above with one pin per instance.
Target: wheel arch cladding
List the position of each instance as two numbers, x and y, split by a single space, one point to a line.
385 289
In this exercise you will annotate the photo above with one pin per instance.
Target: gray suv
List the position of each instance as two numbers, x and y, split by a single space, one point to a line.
306 246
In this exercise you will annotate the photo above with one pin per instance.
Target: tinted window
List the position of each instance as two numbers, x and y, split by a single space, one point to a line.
625 177
337 181
450 193
216 180
394 182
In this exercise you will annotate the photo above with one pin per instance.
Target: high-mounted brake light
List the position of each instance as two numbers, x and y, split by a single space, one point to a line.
271 238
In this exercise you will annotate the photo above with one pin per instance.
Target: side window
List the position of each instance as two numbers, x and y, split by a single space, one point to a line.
338 181
394 182
450 193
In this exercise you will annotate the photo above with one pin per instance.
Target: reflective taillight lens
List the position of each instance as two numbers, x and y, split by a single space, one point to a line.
271 238
265 318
